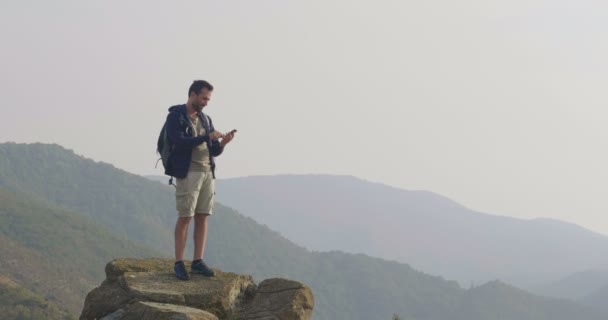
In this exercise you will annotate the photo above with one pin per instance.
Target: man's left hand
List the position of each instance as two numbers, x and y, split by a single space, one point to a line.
227 138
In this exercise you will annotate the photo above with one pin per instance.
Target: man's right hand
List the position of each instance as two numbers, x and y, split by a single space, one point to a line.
215 135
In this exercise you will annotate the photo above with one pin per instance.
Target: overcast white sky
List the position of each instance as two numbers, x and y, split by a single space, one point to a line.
499 105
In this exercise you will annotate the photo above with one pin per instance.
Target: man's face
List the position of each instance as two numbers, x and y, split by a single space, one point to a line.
200 100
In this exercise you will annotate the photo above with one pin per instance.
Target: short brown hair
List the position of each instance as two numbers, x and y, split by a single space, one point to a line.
198 85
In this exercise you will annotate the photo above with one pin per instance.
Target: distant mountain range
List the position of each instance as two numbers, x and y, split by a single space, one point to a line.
423 229
576 286
597 299
63 216
588 287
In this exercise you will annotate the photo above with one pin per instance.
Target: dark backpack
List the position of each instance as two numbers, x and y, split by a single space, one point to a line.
163 146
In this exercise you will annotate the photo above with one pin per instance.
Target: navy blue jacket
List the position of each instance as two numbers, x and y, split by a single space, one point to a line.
180 134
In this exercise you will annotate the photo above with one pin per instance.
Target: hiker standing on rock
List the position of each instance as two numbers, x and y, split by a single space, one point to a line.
192 143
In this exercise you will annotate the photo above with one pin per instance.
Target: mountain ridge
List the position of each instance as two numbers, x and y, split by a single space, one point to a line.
426 230
346 286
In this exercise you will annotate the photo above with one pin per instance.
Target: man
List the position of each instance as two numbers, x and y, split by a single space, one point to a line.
195 143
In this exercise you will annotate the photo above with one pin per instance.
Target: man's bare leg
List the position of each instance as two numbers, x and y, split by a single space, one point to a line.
200 235
181 236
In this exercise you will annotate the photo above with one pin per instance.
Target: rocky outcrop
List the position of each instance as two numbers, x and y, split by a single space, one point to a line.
147 289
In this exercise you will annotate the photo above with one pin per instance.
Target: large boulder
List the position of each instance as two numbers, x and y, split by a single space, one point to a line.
147 289
279 299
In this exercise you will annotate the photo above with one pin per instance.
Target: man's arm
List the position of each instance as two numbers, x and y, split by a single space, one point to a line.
176 136
215 149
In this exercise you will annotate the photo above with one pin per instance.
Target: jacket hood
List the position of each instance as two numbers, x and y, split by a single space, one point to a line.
181 108
178 108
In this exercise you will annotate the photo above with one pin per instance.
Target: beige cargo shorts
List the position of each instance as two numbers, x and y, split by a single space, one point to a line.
195 193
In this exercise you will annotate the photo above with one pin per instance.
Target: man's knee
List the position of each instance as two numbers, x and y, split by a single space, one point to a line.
184 220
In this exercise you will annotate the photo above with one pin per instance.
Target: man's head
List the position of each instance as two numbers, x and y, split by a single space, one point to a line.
199 94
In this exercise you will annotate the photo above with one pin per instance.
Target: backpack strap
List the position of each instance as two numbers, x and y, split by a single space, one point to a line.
206 122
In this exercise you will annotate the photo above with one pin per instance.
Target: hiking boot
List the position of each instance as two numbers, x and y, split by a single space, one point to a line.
198 266
180 271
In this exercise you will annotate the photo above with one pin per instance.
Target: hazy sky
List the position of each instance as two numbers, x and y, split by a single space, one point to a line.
499 105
